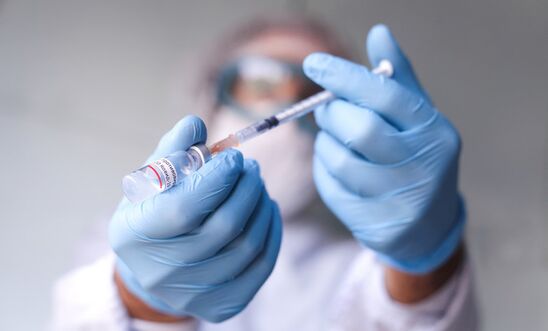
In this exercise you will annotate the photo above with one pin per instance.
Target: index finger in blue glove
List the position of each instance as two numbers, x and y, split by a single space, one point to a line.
360 176
237 255
381 45
233 296
396 104
363 131
189 131
184 207
224 224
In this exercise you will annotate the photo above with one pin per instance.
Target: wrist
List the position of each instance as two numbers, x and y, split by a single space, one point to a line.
135 288
426 262
411 288
138 309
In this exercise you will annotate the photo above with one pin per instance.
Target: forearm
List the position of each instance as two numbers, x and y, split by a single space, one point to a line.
411 288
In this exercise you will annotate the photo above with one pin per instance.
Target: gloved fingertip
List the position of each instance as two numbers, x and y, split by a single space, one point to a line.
320 114
251 165
231 157
235 155
323 145
192 124
189 131
225 166
315 64
379 29
381 45
189 119
380 34
320 139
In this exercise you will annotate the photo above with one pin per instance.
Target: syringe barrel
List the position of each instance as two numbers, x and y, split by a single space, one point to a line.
247 133
164 173
305 106
295 111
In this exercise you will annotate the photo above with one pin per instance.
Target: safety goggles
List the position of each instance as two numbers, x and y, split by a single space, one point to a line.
258 86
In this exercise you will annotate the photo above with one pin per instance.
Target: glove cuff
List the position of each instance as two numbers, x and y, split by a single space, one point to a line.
135 288
425 264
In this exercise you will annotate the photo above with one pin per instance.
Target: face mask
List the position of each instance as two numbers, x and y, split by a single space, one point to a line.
284 155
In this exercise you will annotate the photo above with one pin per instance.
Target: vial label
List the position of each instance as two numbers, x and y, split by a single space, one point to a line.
165 170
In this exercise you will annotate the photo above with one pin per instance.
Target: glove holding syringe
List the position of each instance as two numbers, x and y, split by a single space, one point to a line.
163 174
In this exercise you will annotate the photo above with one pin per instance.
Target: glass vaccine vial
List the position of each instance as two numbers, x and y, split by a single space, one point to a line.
164 173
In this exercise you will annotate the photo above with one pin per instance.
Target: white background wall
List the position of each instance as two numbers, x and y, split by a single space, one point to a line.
88 87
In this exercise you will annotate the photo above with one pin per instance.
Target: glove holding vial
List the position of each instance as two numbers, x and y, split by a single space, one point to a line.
204 247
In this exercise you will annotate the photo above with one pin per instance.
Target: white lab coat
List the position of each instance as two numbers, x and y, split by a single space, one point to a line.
323 280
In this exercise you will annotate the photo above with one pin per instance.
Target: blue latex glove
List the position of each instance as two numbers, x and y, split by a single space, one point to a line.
386 161
204 247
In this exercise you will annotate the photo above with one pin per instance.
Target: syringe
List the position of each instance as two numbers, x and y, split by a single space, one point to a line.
168 171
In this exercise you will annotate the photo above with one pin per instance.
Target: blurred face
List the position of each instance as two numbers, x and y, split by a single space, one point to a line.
265 74
282 45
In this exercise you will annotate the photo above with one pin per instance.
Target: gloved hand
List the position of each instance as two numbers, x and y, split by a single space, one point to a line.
204 247
386 161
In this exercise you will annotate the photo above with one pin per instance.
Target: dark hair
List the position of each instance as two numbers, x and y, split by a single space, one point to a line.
298 24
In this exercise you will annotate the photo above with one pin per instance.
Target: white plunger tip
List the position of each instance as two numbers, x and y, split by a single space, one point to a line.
384 68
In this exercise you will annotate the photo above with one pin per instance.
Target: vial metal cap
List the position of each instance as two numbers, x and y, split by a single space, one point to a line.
202 151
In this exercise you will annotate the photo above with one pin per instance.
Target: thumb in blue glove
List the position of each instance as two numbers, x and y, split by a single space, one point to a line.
386 161
204 247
